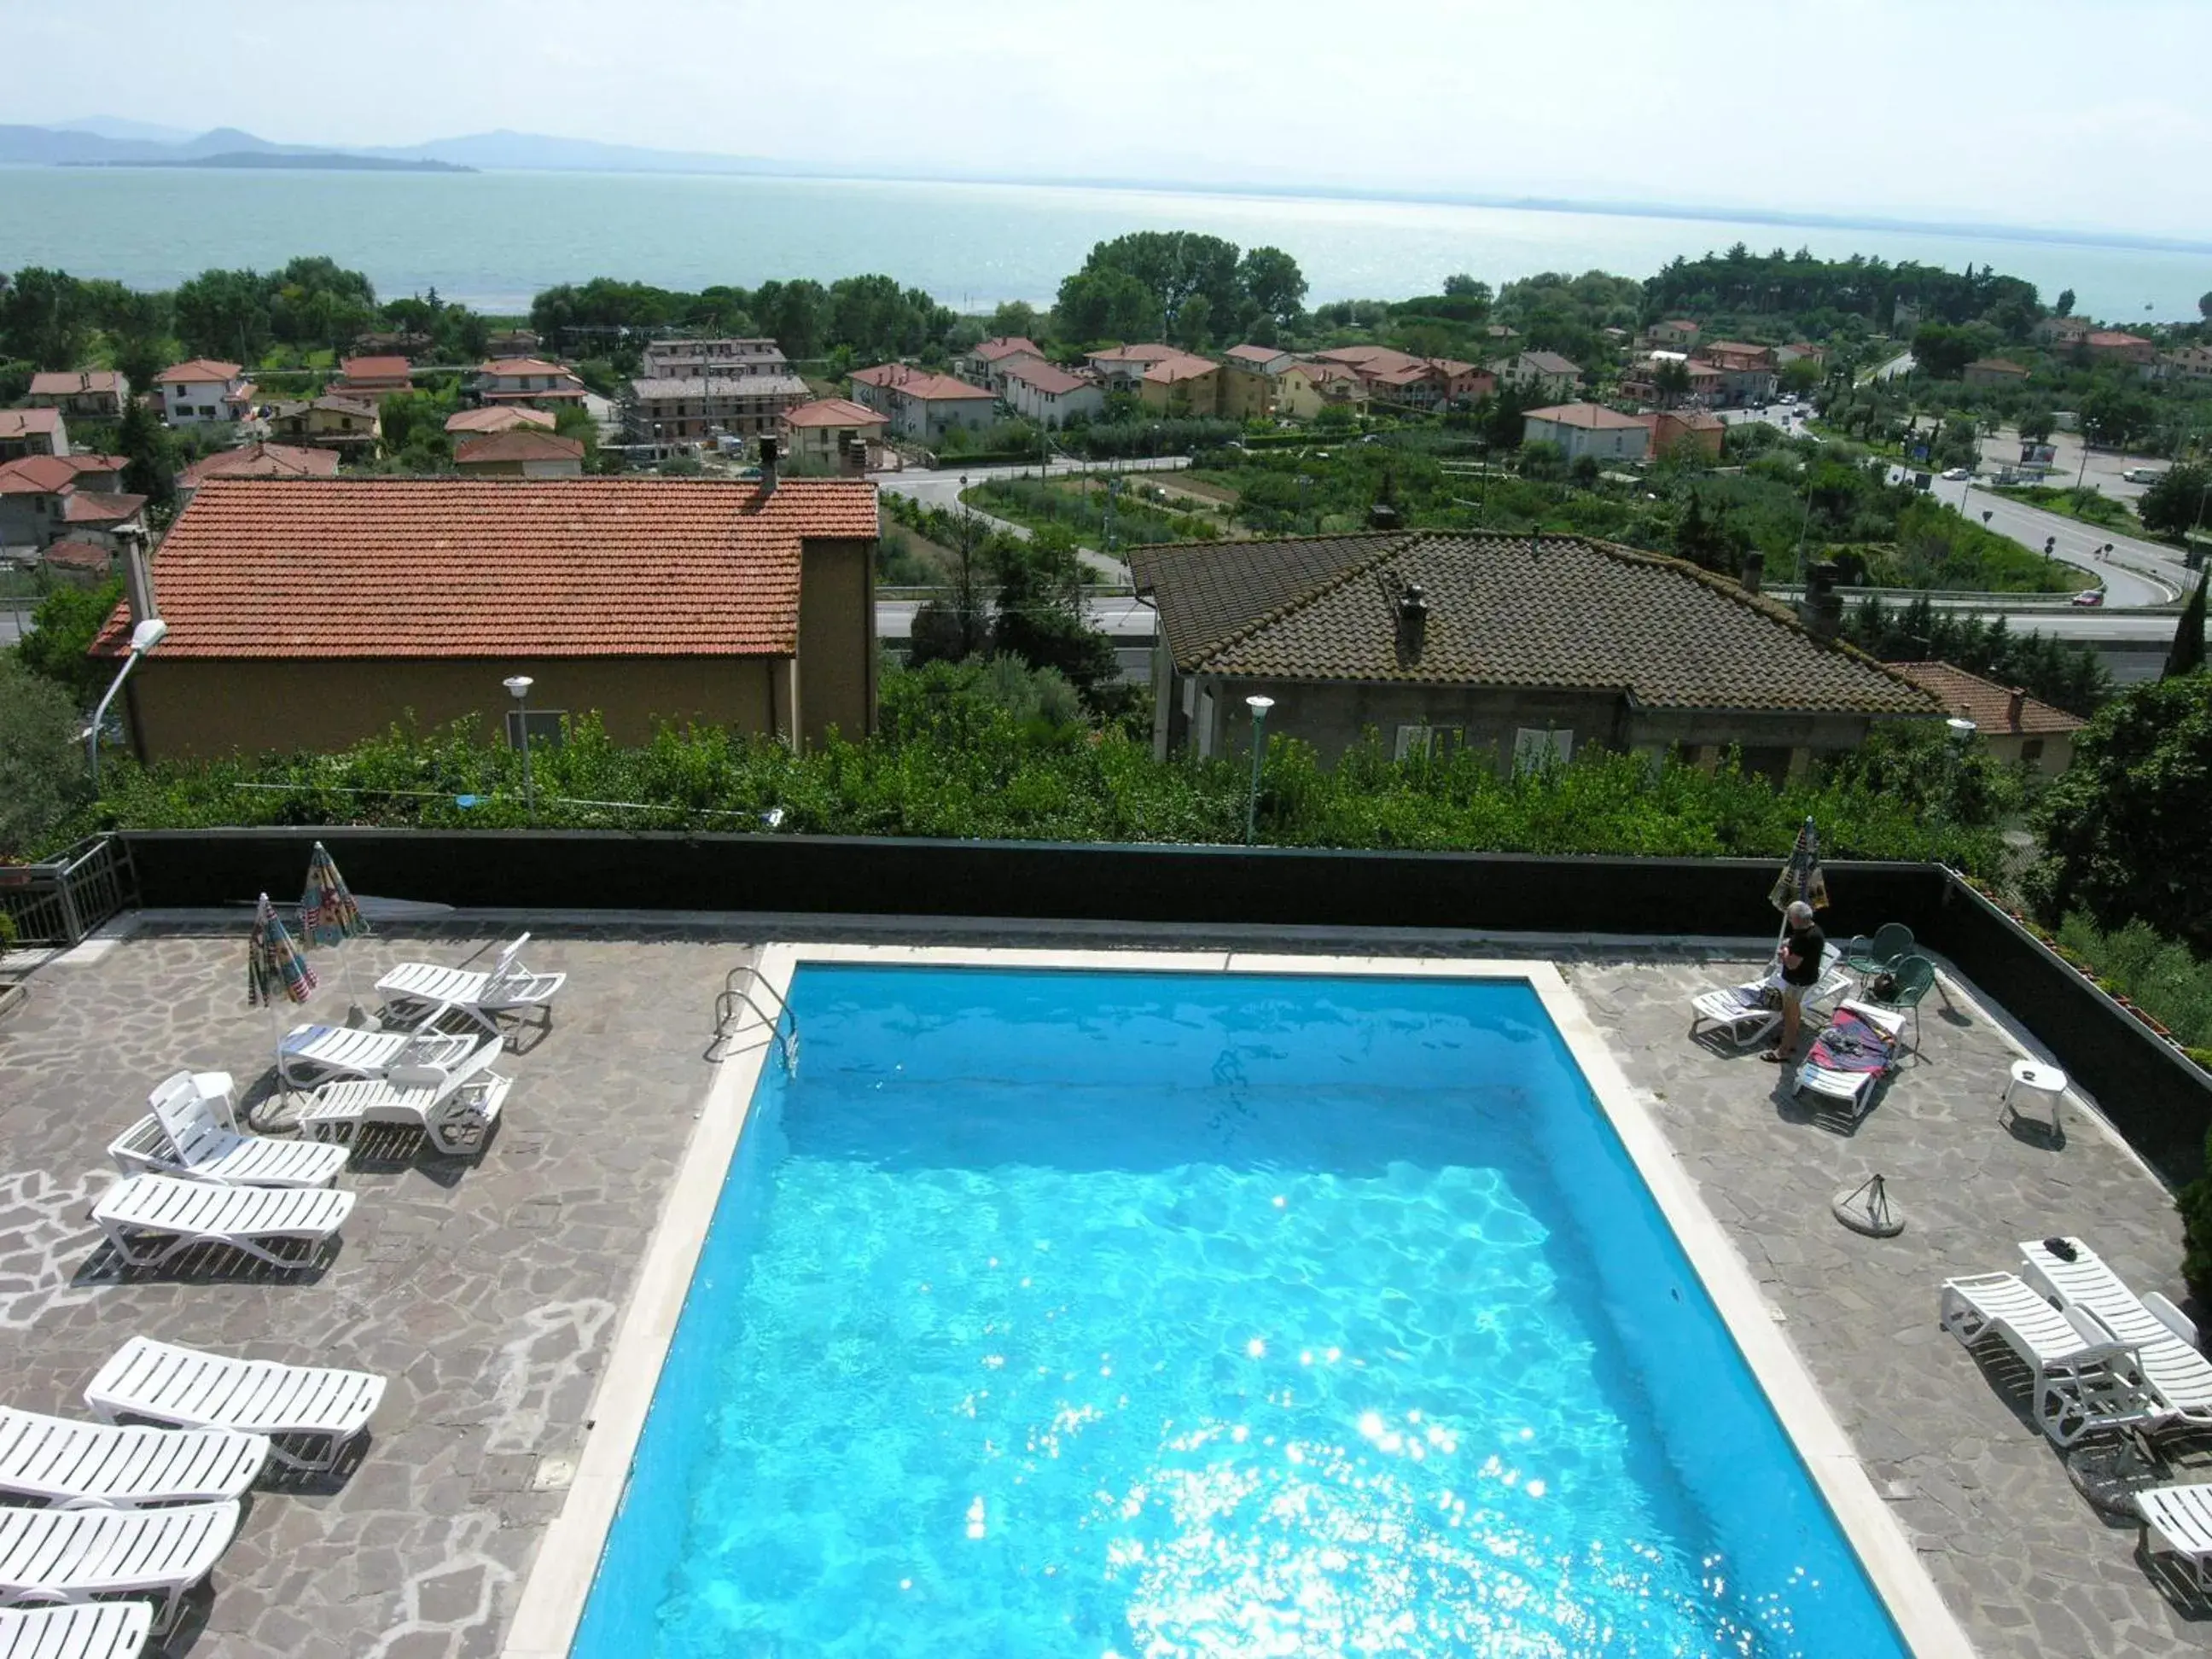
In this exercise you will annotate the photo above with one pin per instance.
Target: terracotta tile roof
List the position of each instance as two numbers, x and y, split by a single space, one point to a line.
499 417
699 387
1592 417
374 369
920 383
833 411
2113 339
1183 366
1256 354
518 445
1986 703
1998 365
1376 358
261 460
1045 378
1695 420
514 366
1543 363
1147 352
49 474
1565 613
493 568
199 371
100 507
79 556
75 382
22 422
1008 345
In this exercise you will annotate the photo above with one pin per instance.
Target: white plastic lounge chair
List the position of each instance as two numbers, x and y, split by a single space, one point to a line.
149 1218
482 994
87 1465
2179 1375
181 1137
311 1413
2084 1380
2177 1521
455 1107
89 1630
70 1555
1752 1011
310 1055
1854 1090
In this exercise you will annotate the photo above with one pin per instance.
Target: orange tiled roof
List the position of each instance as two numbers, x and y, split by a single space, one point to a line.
261 460
40 474
522 444
1184 366
100 507
499 417
1144 352
79 556
833 411
21 423
494 567
198 372
505 366
918 383
1008 345
1986 703
75 382
374 369
1593 416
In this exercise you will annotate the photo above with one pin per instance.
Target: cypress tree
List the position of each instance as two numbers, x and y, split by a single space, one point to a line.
2187 656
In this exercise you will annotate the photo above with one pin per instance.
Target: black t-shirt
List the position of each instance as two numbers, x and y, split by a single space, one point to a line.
1806 944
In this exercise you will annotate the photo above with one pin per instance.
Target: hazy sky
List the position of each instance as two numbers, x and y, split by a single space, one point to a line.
2023 112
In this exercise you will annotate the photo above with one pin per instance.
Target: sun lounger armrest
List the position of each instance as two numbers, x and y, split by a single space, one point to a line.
2170 1316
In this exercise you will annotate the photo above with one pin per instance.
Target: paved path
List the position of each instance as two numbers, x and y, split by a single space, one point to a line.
942 486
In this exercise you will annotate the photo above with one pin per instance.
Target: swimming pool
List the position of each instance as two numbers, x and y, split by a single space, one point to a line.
1139 1314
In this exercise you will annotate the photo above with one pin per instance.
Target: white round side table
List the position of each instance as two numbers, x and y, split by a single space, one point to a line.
2035 1079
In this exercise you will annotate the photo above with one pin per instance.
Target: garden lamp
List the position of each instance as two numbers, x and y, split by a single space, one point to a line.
1259 706
518 687
144 638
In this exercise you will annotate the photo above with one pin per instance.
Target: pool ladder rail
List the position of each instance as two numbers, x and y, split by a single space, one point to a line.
737 997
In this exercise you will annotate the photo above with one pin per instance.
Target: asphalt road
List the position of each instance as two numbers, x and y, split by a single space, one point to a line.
941 487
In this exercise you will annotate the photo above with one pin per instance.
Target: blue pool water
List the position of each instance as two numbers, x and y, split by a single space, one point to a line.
1150 1314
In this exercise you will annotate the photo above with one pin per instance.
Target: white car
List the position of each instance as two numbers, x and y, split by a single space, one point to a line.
1957 475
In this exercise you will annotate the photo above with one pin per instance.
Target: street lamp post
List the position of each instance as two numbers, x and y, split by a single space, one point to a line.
1259 706
518 687
143 639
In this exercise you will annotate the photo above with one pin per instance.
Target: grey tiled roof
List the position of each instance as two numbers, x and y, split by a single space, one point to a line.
1503 612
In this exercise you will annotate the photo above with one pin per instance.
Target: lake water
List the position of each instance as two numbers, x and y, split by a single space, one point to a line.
493 238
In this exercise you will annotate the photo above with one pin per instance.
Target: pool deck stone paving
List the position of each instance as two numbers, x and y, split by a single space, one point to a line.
488 1289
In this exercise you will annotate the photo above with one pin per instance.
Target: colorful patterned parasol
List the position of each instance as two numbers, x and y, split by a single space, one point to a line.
274 963
328 915
1801 878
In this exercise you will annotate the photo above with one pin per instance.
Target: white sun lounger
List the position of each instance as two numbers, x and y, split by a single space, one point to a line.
149 1218
456 1108
1746 1013
89 1630
1854 1090
2177 1521
482 994
84 1465
181 1137
183 1386
2084 1380
2179 1375
71 1555
310 1055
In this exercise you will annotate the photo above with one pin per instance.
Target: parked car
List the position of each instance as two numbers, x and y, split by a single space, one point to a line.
2090 595
1957 475
2142 474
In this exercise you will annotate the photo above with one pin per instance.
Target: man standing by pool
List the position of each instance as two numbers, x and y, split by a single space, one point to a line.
1802 945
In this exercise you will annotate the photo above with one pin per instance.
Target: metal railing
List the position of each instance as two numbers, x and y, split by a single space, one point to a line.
735 998
58 903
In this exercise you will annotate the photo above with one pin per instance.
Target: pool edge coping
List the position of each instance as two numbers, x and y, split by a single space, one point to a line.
549 1610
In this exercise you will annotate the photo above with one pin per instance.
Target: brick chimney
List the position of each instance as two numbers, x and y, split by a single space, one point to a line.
1754 571
767 453
2015 701
138 578
1412 624
1821 610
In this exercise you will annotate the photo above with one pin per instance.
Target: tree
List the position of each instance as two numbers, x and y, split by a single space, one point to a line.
2064 306
1460 286
2203 304
151 449
2177 503
1272 283
42 777
2122 827
1942 350
1800 375
1016 319
1040 615
1105 305
1172 266
2036 423
1192 323
64 627
2186 655
1671 379
42 318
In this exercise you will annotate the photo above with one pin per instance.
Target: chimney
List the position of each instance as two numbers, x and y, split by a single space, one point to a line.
852 455
1412 624
1821 610
138 578
1754 571
2015 701
768 447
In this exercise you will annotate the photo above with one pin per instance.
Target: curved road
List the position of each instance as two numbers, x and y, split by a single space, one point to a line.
941 487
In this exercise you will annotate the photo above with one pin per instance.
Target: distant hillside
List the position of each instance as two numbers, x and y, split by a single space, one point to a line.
318 160
98 141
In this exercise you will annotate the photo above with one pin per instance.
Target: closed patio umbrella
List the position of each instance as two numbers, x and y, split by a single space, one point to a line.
1801 878
329 917
275 965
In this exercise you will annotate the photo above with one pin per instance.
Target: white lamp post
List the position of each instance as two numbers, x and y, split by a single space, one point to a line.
144 638
1259 706
518 686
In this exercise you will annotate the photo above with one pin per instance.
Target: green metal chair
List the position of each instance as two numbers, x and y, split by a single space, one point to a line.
1911 979
1891 944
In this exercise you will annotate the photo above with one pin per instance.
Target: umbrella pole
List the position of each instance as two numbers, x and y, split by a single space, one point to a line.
356 1016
